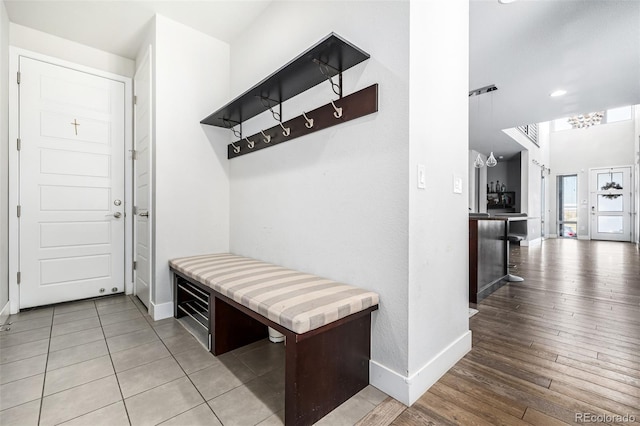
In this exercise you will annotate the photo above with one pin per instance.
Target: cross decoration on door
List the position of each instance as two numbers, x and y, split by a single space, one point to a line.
75 125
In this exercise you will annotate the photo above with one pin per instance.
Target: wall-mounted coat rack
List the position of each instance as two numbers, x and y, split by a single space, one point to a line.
324 61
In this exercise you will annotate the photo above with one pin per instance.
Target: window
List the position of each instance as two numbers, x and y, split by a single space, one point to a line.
613 115
618 114
568 206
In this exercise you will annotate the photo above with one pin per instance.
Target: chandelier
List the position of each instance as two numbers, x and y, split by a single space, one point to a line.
583 121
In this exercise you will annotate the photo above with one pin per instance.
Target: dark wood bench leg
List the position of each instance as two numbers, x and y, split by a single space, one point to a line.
232 328
326 369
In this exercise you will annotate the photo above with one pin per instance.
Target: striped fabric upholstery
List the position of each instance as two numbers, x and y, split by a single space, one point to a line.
299 302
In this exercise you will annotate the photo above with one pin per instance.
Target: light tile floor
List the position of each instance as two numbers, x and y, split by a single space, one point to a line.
106 362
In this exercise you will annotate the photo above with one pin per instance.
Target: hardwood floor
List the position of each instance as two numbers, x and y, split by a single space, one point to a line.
562 344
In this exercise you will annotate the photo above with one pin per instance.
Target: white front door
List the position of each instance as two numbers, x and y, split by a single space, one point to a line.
71 184
611 204
142 180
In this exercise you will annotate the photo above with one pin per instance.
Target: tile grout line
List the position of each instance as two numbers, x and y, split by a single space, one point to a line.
114 369
115 374
44 377
183 370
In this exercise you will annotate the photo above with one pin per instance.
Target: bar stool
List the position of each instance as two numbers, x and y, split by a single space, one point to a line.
513 238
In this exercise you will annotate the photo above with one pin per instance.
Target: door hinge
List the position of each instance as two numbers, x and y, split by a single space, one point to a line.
134 154
19 144
135 265
135 100
18 77
19 210
19 278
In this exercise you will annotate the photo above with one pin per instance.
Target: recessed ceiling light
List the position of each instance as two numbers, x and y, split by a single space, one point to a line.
558 93
500 157
505 1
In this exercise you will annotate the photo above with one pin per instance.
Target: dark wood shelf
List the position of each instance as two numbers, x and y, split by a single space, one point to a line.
299 75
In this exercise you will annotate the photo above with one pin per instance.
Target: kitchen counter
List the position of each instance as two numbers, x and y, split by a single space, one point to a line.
487 254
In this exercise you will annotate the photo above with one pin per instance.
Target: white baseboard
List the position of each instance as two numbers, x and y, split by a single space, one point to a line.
552 236
531 243
584 237
4 313
160 311
408 389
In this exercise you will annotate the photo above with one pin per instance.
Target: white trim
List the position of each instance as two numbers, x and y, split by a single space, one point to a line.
552 236
161 310
531 243
408 389
584 237
4 313
14 54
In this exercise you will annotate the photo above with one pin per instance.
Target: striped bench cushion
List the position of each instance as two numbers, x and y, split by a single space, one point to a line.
297 301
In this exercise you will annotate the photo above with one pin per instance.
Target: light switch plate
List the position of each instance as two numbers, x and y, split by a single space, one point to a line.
422 176
457 184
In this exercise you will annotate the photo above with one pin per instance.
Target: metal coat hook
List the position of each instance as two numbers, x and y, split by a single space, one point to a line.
309 123
250 144
338 112
267 138
286 131
236 149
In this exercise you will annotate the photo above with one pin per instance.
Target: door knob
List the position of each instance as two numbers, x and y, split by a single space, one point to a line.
117 215
144 214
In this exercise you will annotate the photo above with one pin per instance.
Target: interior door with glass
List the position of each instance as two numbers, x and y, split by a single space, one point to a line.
611 204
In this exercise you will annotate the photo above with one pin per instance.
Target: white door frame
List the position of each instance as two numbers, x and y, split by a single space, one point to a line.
14 55
633 191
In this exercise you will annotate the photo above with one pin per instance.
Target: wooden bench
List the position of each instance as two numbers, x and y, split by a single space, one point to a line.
327 325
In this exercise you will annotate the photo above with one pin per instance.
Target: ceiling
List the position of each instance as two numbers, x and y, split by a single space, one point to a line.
118 26
529 48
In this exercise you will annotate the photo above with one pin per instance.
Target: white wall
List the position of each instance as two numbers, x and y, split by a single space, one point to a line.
336 203
333 203
4 163
576 151
47 44
438 237
191 213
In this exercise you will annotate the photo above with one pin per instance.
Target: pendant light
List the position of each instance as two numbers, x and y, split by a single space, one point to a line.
478 163
491 161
